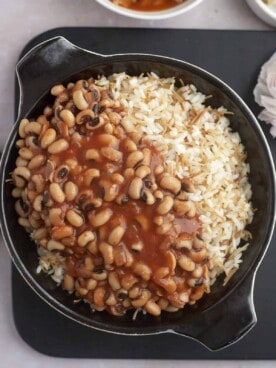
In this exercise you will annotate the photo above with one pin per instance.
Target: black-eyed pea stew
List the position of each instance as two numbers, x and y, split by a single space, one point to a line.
91 188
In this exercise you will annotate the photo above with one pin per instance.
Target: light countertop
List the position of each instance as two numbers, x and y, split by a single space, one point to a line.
20 21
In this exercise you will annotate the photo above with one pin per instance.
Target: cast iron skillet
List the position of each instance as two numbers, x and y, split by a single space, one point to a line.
223 316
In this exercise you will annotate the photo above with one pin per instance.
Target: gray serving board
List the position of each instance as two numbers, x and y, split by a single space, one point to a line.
234 56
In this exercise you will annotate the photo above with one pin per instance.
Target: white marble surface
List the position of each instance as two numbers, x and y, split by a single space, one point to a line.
21 20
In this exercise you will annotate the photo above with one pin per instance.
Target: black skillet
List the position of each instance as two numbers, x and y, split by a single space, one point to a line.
220 318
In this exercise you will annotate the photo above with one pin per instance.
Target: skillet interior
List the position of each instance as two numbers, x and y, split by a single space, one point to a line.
23 250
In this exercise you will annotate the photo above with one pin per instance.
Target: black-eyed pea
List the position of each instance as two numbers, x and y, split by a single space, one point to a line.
58 146
165 206
134 158
158 220
24 222
70 190
68 282
57 89
80 290
161 272
56 193
74 218
142 171
163 303
22 125
33 128
68 117
36 162
111 300
61 173
93 155
171 309
48 138
55 245
92 247
55 216
107 140
114 281
195 282
128 173
101 217
108 128
198 242
171 260
20 161
17 193
117 178
85 237
137 246
20 143
128 124
116 235
158 195
99 275
40 233
129 258
198 272
135 188
107 253
142 270
79 100
183 242
109 190
111 154
159 170
38 203
39 183
198 255
85 117
122 199
32 141
186 263
147 156
26 153
164 228
134 292
128 281
197 293
141 301
184 208
129 145
168 284
170 183
22 208
187 185
136 136
147 197
120 257
152 308
22 173
90 175
91 284
62 232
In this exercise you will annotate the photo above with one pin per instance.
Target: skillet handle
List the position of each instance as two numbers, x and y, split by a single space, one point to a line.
46 64
227 322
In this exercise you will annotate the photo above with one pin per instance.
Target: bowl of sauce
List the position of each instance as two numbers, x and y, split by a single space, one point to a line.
149 9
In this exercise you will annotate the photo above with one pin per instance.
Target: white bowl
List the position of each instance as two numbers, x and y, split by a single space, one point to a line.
265 12
162 14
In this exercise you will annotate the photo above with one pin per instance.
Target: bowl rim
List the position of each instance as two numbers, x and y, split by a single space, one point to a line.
152 15
264 9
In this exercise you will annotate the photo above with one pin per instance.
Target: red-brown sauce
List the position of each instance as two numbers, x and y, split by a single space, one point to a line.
148 5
